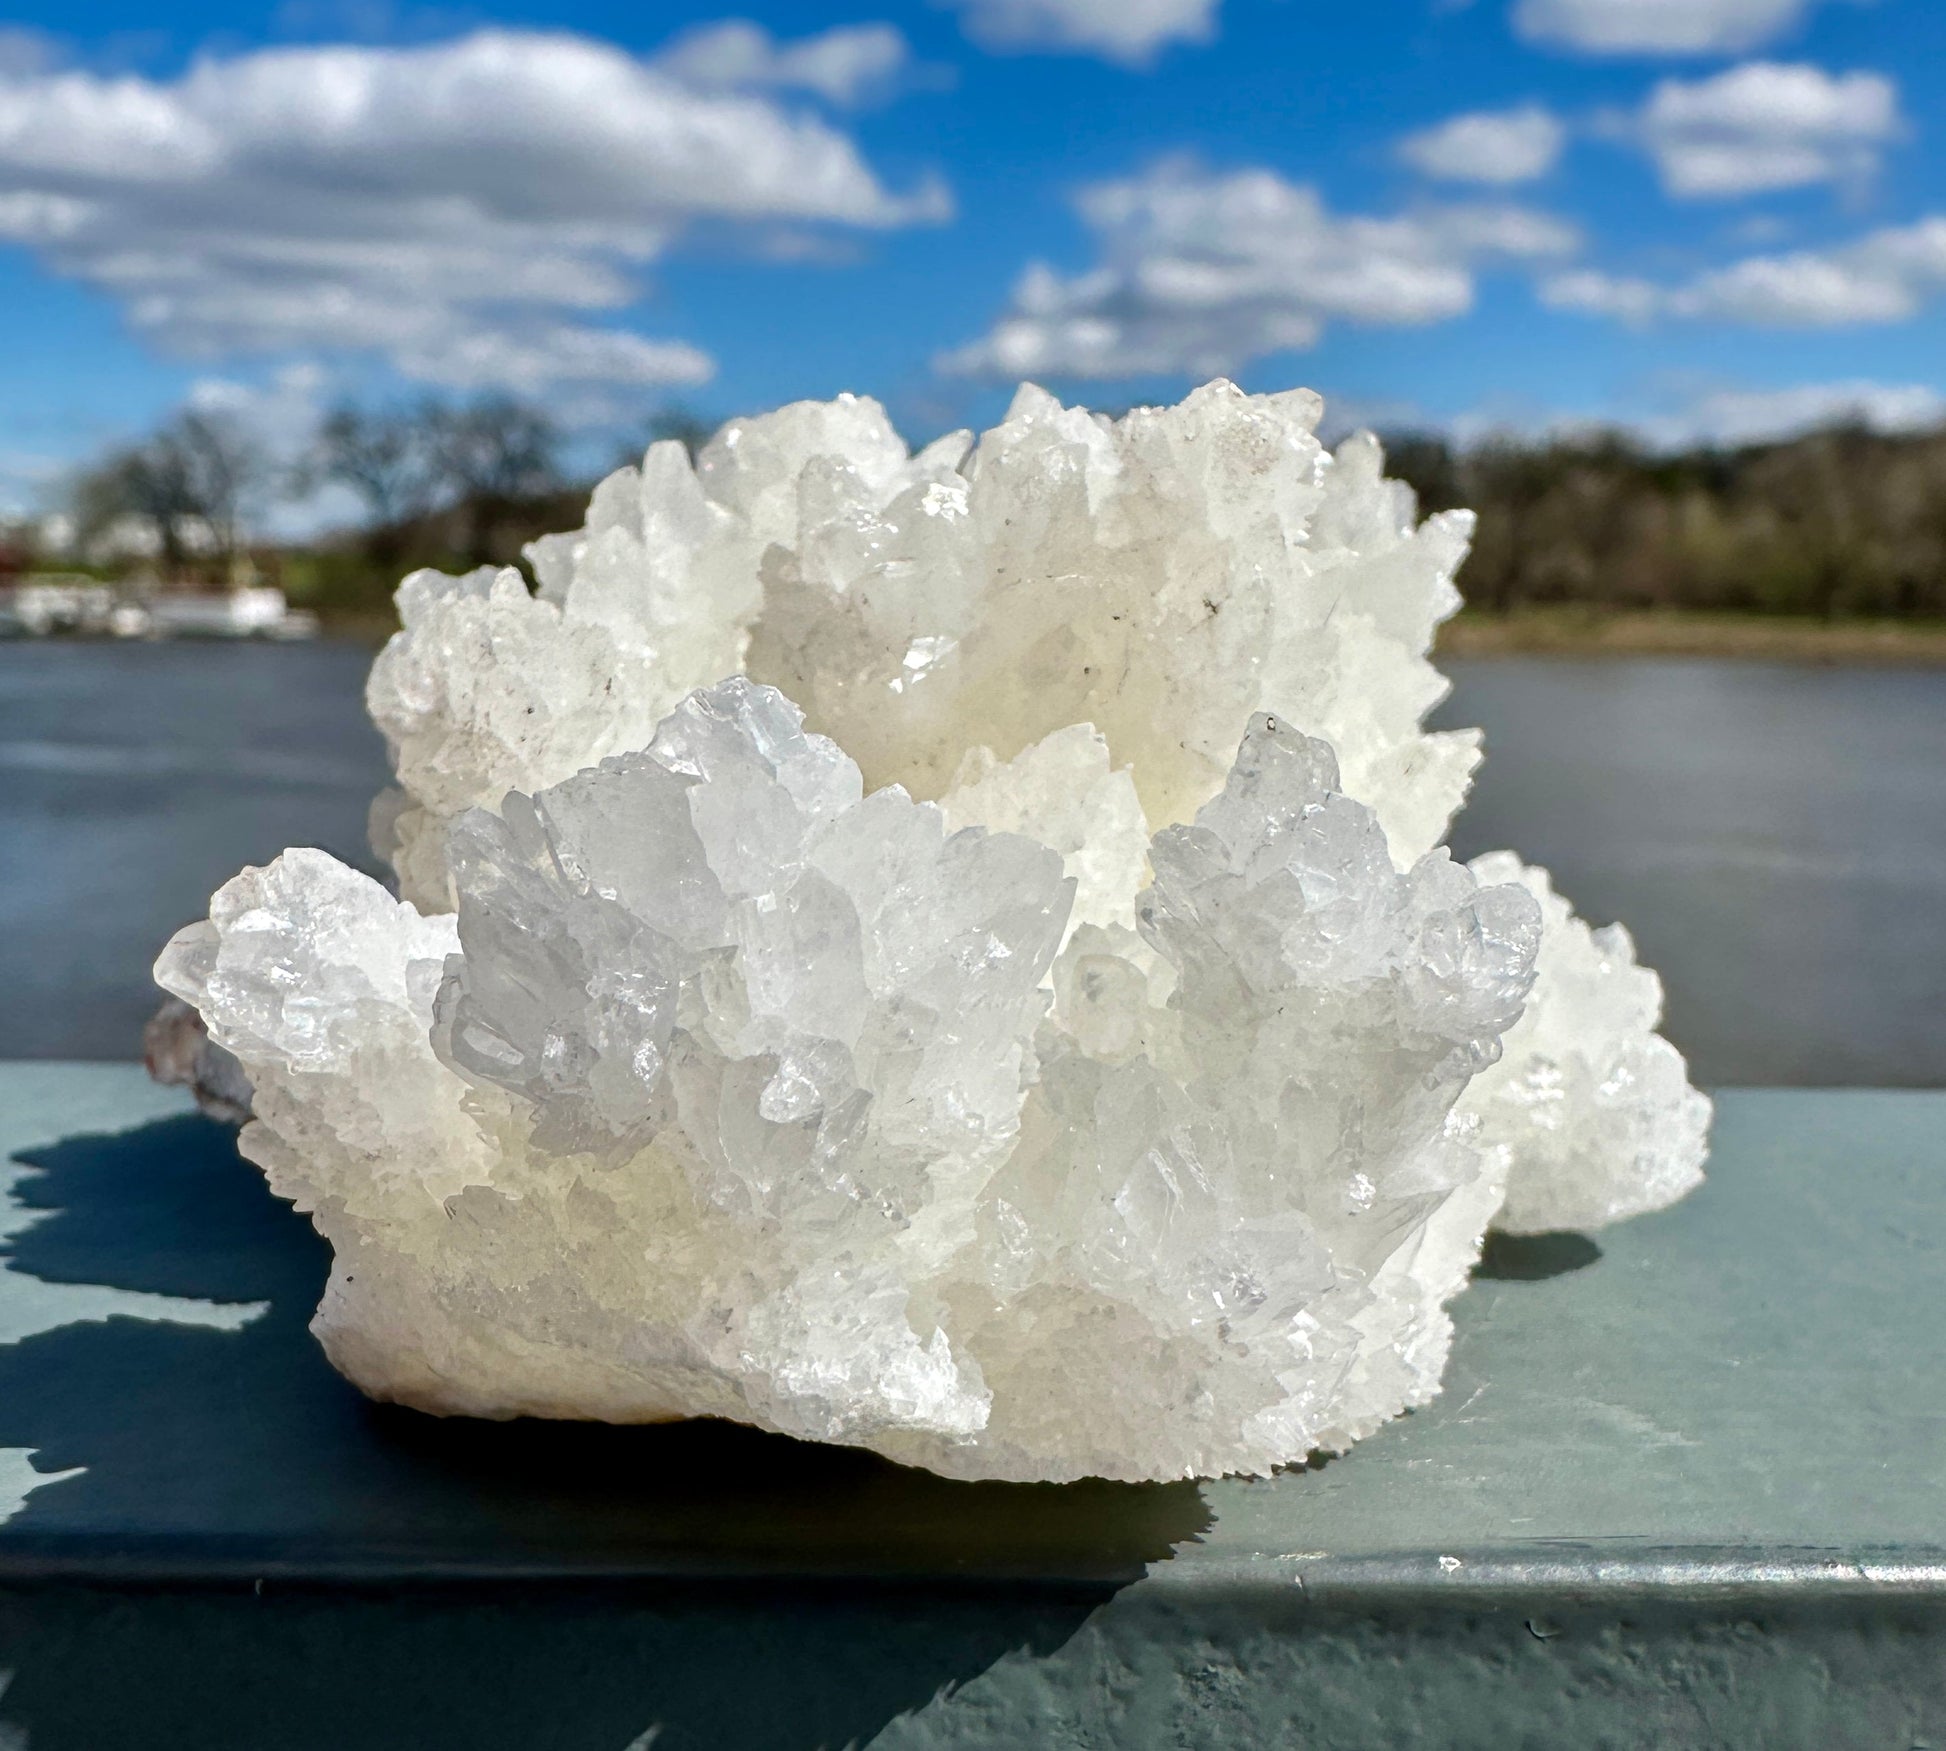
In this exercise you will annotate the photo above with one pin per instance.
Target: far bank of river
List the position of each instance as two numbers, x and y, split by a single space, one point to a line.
1782 638
1588 632
1774 834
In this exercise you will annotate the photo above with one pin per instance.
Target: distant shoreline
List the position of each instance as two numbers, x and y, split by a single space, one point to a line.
1779 638
1584 632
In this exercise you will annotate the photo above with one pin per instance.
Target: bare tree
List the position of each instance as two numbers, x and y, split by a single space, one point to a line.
494 447
106 493
390 459
187 483
492 453
143 485
220 467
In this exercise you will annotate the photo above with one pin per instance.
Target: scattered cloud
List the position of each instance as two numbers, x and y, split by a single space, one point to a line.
1730 416
476 211
1674 412
1658 27
847 66
1201 271
1500 147
1131 32
1765 126
1885 276
532 361
283 410
1589 292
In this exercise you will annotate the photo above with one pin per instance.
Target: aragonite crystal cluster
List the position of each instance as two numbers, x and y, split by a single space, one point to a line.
949 953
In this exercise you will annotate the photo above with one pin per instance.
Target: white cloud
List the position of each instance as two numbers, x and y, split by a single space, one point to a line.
1885 276
846 66
1200 272
478 206
282 412
1131 32
1658 27
1728 416
1490 146
1766 126
1884 279
1680 413
1589 292
529 363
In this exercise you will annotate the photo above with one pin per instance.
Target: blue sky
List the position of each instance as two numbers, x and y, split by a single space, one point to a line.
1700 217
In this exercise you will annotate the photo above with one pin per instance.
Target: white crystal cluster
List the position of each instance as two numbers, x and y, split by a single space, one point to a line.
949 953
1159 578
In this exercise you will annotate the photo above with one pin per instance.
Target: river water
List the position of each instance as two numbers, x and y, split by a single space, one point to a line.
1774 835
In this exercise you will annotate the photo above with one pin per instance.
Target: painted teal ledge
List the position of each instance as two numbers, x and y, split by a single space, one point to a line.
1686 1486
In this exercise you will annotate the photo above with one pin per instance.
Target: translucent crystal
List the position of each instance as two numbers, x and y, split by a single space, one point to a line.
957 1046
1064 790
729 1090
1160 577
1594 1104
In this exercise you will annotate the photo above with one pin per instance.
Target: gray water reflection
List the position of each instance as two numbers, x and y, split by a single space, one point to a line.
1775 836
134 780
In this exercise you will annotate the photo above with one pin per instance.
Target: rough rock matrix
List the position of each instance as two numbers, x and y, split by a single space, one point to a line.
949 953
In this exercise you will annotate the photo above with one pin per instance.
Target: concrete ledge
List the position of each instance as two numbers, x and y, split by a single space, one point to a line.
1687 1485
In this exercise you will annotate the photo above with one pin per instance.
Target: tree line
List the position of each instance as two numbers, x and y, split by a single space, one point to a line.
1838 522
1843 522
435 483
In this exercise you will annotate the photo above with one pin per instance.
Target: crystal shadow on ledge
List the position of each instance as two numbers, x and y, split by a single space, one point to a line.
437 1583
1533 1258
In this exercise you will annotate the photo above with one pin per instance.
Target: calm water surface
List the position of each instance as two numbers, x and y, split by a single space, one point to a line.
134 780
1775 836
